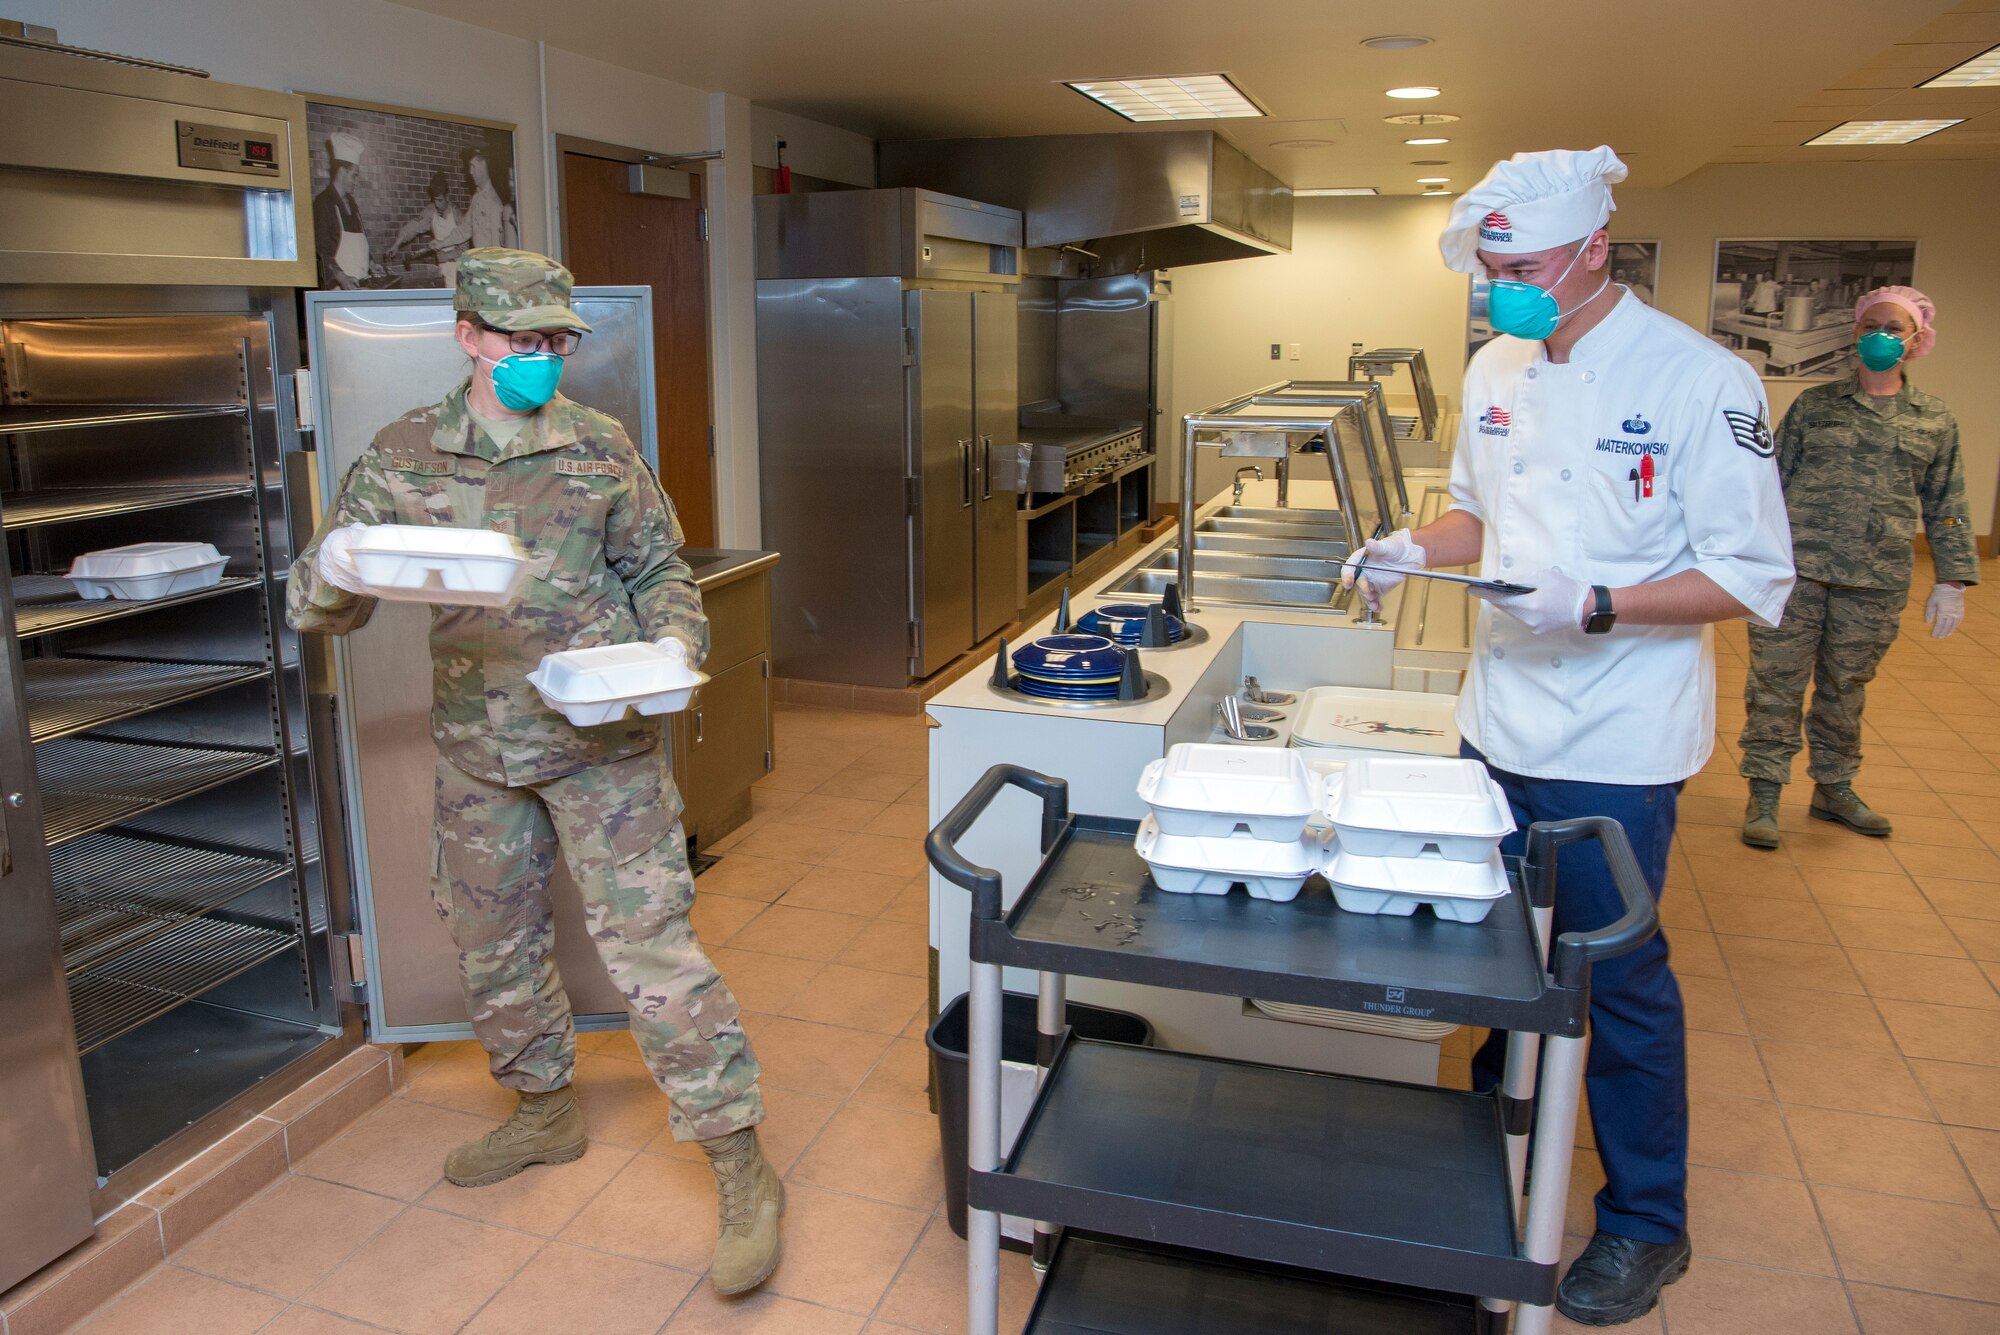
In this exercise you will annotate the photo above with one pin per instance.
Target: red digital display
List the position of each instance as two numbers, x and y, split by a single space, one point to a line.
259 150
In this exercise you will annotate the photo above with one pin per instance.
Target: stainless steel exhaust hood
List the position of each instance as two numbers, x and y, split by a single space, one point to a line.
1141 200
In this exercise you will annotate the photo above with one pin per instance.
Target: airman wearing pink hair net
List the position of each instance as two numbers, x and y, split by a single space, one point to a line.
1863 461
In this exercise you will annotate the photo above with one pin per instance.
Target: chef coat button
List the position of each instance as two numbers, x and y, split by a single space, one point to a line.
1555 662
1565 475
1519 467
1507 561
1499 653
1589 376
1531 373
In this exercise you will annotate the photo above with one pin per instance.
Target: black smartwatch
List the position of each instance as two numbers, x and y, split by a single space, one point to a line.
1601 618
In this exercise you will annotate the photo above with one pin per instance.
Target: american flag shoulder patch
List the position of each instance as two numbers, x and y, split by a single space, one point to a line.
1752 432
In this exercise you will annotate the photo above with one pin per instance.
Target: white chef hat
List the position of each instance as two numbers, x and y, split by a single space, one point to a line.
342 147
1531 202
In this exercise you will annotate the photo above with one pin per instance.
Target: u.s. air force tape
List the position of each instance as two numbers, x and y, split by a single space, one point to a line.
1751 432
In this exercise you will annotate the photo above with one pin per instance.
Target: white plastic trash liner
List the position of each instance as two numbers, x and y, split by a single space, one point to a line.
424 563
1398 806
593 686
1209 865
1456 891
1208 790
147 570
1363 718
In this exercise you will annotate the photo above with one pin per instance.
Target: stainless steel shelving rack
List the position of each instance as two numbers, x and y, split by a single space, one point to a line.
1194 1195
168 735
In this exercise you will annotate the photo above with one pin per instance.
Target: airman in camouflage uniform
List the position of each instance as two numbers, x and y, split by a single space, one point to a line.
1859 472
515 778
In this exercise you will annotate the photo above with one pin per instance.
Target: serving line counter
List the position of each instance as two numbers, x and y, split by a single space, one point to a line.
1101 749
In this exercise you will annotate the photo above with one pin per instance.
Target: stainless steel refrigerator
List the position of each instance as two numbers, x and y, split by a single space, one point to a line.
375 356
887 378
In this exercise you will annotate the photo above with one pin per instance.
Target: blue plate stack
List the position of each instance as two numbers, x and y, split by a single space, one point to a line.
1125 623
1069 667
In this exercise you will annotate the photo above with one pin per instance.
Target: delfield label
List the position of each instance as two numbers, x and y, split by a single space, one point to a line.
226 148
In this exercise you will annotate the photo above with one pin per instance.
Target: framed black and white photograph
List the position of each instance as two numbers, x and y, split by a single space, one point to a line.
1787 307
399 195
1636 264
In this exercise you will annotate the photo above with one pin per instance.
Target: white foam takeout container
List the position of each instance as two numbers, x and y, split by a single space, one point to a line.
1341 719
1202 865
1456 891
147 570
594 686
1398 806
1209 790
424 563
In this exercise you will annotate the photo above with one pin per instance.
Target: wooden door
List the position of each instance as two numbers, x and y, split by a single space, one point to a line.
615 236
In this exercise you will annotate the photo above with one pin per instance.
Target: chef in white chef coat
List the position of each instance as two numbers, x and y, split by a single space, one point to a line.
1619 464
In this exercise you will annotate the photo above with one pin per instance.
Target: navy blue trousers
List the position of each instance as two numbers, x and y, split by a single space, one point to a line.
1637 1074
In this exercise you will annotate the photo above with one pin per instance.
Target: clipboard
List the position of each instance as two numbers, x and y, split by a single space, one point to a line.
1499 586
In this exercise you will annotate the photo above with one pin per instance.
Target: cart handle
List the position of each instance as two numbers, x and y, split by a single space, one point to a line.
984 882
1575 951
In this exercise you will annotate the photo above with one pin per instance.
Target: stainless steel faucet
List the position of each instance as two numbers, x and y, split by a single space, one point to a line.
1236 488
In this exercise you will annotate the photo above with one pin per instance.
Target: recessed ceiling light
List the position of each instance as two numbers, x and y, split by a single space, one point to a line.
1427 141
1399 43
1302 143
1420 118
1879 132
1414 91
1432 180
1428 162
1183 97
1982 71
1437 192
1323 191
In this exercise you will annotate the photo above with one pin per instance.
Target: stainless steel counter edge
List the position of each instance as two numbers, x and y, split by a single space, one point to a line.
716 566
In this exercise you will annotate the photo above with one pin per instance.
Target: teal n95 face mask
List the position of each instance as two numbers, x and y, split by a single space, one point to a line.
524 383
1527 311
1879 349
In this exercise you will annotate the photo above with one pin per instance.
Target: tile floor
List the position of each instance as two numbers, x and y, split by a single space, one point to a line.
1844 1070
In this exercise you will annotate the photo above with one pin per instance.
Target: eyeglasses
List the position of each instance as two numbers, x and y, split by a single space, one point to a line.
526 342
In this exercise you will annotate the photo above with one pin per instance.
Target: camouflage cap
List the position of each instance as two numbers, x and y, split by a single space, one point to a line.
515 289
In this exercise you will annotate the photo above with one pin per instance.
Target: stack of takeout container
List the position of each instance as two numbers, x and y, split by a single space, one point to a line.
1228 815
1414 830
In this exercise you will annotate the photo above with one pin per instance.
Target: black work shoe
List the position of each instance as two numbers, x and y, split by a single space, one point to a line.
1619 1279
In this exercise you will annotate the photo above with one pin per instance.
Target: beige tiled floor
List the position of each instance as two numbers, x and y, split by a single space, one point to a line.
1844 1067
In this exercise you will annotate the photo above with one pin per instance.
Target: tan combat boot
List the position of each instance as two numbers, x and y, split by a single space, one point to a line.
546 1128
1760 817
750 1199
1837 802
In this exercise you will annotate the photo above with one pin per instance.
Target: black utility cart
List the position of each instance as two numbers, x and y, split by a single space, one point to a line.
1194 1195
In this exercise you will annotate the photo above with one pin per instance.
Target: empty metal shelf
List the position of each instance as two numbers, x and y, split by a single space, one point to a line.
73 416
172 968
44 604
67 695
89 783
115 890
31 509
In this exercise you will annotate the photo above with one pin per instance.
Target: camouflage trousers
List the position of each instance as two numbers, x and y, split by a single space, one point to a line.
1835 638
621 836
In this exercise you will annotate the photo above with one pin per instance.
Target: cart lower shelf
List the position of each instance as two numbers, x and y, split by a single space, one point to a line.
1098 1287
1402 1184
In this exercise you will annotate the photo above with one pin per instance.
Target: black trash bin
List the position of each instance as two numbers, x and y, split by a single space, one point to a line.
948 1039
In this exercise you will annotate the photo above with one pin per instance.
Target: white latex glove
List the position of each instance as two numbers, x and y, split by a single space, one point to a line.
1557 602
1382 573
1944 609
674 647
336 561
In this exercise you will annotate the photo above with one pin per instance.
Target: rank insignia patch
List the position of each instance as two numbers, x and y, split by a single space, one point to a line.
1752 432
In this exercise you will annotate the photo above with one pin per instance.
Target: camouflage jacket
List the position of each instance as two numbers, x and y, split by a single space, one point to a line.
604 568
1859 476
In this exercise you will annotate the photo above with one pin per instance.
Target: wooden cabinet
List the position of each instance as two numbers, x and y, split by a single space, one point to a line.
722 744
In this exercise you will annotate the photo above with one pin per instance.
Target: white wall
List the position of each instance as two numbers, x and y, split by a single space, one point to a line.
812 149
1368 270
374 51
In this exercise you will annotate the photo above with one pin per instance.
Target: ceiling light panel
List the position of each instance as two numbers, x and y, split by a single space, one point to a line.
1326 191
1186 97
1415 91
1427 141
1982 71
1402 42
1849 133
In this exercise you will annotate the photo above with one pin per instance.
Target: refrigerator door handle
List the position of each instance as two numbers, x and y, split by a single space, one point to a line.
986 468
965 467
